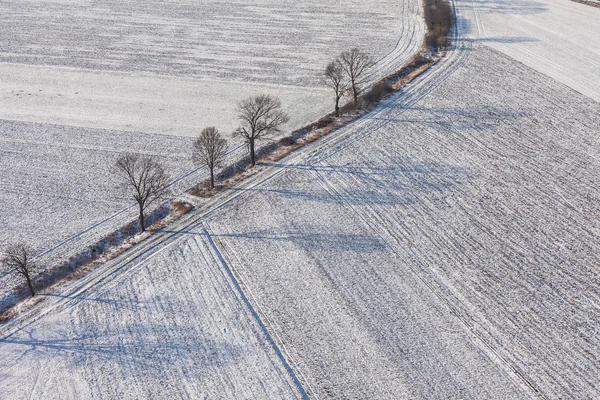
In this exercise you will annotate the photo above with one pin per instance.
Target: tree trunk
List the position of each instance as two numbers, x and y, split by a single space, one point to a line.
142 227
252 156
212 177
337 107
355 94
30 286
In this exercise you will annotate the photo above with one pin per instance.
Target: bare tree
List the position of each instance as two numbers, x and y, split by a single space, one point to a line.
147 179
355 63
209 149
260 116
333 77
17 259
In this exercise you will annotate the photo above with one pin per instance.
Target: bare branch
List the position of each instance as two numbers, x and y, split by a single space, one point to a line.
209 149
17 260
355 64
146 178
260 116
333 77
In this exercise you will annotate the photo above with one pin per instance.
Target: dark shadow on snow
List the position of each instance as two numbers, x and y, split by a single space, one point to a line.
143 349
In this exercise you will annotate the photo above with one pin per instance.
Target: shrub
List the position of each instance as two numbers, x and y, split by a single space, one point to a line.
323 122
182 207
201 190
348 108
287 141
438 18
419 60
378 92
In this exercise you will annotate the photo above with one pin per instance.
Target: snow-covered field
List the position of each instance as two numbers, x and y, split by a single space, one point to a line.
81 83
174 326
59 189
172 105
559 38
445 246
104 65
266 41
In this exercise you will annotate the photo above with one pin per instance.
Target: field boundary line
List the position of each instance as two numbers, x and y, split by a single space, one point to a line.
221 255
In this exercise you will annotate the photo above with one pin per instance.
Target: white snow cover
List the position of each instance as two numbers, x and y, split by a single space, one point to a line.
177 66
122 101
444 246
559 38
68 69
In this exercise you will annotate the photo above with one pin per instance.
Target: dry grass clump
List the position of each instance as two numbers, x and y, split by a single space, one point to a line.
378 92
287 141
182 207
201 190
438 18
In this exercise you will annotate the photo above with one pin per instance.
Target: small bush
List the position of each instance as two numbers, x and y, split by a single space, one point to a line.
443 42
419 60
287 141
378 91
438 18
182 207
201 190
348 108
323 122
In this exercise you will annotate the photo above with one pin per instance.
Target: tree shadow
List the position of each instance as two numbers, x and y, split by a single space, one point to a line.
508 7
314 239
507 39
360 184
138 350
112 302
480 118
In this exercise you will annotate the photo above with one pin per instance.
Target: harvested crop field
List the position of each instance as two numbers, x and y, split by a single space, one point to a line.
267 41
555 37
166 67
446 245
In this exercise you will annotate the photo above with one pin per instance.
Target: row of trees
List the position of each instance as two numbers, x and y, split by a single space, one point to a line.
260 116
147 180
347 72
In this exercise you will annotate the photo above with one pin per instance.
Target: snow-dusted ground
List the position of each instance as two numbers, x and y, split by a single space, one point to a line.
172 105
174 326
445 246
154 67
559 38
266 41
128 65
59 189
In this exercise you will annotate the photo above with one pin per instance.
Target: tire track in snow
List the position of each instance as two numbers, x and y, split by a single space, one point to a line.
221 260
389 240
417 89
